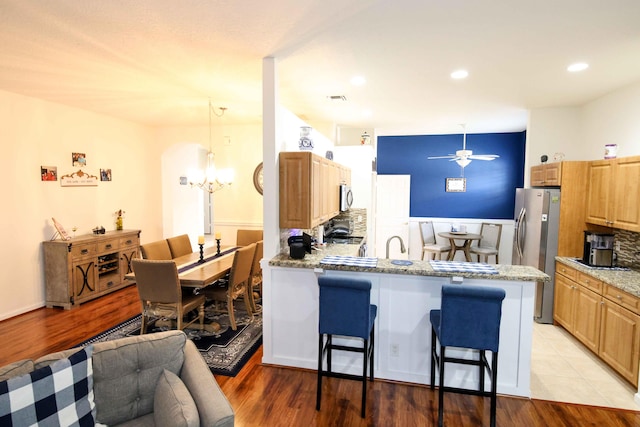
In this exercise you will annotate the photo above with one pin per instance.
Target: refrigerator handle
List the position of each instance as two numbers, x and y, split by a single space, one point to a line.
520 231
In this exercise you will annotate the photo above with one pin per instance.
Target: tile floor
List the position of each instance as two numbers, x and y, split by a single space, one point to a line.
563 370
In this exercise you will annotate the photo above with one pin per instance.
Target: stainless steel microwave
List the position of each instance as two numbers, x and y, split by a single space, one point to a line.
346 197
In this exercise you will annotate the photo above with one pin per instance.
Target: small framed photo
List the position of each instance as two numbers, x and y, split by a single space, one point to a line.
78 160
105 174
456 185
49 173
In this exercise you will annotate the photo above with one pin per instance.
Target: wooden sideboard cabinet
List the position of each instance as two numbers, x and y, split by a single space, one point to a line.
88 266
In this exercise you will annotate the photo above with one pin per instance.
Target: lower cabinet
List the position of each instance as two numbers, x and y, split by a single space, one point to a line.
87 267
620 339
605 319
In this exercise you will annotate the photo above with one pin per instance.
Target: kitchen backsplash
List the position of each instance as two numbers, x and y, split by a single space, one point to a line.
358 216
629 253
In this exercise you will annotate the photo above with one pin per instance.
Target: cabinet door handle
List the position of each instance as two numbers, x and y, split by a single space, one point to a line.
619 297
108 246
84 251
128 242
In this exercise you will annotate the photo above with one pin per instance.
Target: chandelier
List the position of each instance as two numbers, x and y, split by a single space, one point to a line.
212 179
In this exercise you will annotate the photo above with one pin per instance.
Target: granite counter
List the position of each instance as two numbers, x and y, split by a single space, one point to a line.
626 280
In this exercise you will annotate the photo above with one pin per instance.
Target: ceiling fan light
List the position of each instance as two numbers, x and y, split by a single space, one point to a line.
463 162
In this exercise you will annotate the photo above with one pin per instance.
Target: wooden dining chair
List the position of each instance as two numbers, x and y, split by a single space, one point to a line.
161 295
237 285
180 245
156 250
246 237
489 244
256 277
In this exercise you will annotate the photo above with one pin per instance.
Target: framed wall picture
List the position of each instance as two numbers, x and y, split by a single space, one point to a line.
78 160
48 173
105 174
456 185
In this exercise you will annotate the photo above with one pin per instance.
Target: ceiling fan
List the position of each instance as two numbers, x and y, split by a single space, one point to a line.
463 157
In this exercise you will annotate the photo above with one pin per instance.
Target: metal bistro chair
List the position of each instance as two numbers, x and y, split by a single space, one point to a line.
429 244
490 242
469 318
345 310
160 293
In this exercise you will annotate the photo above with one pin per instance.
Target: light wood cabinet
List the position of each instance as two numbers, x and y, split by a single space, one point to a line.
620 339
309 189
87 267
577 309
614 193
604 318
546 175
571 176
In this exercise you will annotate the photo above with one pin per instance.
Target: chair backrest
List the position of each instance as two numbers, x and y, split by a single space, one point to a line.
156 250
179 245
256 270
470 317
344 306
427 233
490 235
157 281
241 268
246 237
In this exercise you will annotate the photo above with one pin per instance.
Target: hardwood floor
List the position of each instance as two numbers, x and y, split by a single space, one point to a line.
274 396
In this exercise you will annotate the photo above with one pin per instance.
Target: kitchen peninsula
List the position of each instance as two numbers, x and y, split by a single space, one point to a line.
404 295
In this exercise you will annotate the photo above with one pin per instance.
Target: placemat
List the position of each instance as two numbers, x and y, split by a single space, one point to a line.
462 267
352 261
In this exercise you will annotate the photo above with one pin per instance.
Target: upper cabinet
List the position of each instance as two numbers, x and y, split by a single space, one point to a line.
547 175
309 189
614 193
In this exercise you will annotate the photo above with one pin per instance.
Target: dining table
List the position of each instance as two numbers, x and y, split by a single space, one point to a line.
195 274
468 239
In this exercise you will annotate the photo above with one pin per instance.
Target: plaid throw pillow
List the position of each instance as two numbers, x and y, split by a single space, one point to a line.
60 394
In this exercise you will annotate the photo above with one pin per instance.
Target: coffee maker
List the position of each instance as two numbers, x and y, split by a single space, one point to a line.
598 249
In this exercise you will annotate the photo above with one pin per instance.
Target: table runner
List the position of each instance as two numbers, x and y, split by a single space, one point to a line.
462 267
352 261
185 267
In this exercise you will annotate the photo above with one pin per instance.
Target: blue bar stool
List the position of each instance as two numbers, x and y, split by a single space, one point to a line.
469 318
345 310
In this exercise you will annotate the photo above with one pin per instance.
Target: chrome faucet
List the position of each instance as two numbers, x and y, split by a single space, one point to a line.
402 249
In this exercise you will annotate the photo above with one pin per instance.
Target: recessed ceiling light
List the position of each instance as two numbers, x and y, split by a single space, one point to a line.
358 80
459 74
578 66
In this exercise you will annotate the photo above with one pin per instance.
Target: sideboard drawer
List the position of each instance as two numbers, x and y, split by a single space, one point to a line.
81 251
109 246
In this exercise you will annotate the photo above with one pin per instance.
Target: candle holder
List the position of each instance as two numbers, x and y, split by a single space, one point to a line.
218 246
201 252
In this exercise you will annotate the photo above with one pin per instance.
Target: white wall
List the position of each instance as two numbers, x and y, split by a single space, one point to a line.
612 119
38 133
238 206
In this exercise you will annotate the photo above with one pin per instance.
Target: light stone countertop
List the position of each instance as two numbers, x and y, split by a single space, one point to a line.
419 268
625 280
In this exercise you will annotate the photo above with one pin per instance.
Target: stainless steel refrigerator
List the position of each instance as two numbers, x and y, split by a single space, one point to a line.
535 241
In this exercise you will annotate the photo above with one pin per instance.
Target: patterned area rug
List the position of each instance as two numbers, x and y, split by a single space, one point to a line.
225 351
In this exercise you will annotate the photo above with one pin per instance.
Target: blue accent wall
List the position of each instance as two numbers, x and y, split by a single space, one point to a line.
490 184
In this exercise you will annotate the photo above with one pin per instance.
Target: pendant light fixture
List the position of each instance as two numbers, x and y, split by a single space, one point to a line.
212 179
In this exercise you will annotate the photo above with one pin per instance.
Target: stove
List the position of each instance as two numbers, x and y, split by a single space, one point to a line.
344 240
593 267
